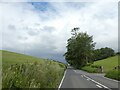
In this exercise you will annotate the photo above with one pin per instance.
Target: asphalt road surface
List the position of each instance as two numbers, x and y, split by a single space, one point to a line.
79 79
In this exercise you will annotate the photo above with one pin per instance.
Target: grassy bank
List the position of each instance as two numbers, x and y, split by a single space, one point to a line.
92 68
113 74
22 71
108 65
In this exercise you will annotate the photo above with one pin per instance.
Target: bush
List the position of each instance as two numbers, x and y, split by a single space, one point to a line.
114 74
96 66
89 69
32 75
92 68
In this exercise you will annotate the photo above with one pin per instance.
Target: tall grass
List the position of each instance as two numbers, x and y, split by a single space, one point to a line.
113 74
31 74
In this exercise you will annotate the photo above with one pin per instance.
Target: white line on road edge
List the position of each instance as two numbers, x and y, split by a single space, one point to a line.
62 79
110 79
97 82
88 79
74 70
81 75
98 86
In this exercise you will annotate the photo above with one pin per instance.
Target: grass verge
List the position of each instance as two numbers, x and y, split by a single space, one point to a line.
22 71
113 74
108 64
91 69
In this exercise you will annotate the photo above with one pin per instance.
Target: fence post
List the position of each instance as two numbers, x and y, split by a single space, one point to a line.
102 69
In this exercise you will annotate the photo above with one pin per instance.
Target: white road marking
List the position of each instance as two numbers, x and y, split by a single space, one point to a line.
62 80
110 79
98 86
97 82
88 79
74 70
81 75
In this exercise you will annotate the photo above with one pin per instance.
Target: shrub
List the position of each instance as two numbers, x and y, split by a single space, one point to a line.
92 68
114 74
32 75
89 69
96 66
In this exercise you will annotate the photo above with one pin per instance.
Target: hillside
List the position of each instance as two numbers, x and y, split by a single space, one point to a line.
9 58
108 64
23 71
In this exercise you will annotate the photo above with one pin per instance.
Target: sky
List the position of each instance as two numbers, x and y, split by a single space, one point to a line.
42 29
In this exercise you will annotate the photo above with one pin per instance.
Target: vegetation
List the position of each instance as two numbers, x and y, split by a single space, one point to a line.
114 74
103 53
92 68
22 71
106 63
79 49
110 67
89 69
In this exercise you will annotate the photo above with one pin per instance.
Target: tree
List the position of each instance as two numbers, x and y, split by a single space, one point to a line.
80 49
118 53
103 53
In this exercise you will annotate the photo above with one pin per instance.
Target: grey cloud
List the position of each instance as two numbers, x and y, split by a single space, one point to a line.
33 32
48 28
41 53
12 27
22 38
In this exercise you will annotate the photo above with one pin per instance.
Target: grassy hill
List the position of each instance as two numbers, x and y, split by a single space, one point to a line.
23 71
108 64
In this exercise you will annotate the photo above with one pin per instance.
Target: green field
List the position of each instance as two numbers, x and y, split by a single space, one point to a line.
23 71
108 64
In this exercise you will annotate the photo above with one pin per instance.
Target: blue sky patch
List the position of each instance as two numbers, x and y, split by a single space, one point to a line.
41 6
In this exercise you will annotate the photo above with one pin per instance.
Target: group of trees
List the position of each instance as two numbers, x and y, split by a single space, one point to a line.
80 49
103 53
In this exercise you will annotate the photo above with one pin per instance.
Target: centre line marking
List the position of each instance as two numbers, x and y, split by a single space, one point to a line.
97 82
81 75
98 86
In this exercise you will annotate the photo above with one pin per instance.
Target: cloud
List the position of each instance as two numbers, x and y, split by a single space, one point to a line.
42 29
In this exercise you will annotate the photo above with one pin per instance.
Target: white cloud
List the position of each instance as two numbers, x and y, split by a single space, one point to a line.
45 33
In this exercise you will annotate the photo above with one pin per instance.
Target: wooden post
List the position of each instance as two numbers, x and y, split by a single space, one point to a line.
102 69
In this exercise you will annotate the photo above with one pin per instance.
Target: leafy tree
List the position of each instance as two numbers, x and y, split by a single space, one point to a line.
80 49
103 53
118 53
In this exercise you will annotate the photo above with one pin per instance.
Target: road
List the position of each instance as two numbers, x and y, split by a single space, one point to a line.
79 79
